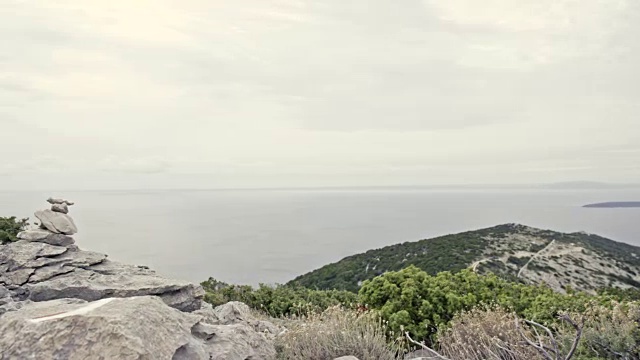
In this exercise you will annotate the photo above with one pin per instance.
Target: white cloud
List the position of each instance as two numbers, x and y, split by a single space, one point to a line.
291 92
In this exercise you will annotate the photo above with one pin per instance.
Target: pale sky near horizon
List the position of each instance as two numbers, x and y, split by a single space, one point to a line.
258 93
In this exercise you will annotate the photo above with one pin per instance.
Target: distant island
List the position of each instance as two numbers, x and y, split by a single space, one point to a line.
615 204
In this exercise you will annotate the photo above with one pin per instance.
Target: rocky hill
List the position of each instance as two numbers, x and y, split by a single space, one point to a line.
60 302
517 252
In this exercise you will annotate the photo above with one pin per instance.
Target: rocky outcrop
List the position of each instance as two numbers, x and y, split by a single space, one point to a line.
60 302
123 328
41 272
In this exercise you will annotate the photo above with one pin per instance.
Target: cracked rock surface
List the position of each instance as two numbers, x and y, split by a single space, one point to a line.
48 272
124 328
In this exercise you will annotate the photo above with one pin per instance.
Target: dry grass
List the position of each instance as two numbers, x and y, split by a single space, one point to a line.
611 332
486 334
334 333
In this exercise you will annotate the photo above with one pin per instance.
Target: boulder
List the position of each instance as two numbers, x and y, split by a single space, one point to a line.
129 328
61 208
56 222
235 312
46 236
237 342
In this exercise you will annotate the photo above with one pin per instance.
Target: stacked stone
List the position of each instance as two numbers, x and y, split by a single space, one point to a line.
56 225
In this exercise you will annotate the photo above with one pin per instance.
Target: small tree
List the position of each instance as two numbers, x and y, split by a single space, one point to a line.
10 227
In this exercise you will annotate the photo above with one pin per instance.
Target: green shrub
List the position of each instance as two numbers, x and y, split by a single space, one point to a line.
412 300
279 300
629 294
10 227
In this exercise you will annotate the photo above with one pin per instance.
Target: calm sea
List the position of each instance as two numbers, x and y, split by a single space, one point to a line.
271 236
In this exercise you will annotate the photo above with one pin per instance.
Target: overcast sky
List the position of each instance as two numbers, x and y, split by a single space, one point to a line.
260 93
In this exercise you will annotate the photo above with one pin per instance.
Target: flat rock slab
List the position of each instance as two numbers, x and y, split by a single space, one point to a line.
56 222
46 236
48 272
111 279
21 254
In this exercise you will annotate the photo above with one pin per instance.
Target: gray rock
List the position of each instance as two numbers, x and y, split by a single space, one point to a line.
61 208
47 237
235 312
7 303
56 222
48 272
3 292
19 253
207 314
131 328
54 201
238 342
59 240
346 358
34 235
111 279
17 277
134 328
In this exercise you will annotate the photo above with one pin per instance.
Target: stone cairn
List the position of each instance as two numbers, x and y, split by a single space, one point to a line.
56 225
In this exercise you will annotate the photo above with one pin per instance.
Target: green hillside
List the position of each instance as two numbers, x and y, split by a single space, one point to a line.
516 252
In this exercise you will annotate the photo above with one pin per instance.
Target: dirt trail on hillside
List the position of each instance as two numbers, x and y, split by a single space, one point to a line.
535 256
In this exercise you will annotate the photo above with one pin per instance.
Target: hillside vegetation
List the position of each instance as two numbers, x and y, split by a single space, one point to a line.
515 252
443 311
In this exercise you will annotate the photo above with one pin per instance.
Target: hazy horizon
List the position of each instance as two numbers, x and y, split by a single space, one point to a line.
289 93
559 186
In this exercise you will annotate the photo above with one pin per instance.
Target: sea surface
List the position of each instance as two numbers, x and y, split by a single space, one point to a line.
271 236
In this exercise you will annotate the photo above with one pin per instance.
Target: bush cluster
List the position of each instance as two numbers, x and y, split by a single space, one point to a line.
422 304
278 300
10 227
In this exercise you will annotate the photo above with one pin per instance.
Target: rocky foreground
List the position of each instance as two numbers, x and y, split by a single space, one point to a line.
60 302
